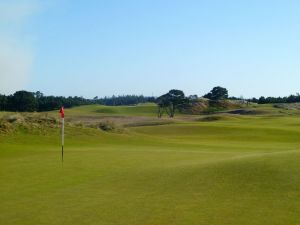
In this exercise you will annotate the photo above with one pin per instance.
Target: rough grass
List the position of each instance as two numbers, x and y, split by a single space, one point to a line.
241 171
288 106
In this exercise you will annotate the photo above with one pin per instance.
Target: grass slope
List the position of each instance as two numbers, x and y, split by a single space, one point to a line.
239 171
149 109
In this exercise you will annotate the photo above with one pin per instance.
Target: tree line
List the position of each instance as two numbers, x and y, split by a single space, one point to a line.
25 101
272 100
123 100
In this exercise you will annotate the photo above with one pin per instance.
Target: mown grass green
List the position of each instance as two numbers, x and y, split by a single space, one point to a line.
242 170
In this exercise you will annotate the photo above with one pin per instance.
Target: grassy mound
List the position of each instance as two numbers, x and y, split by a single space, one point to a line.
205 106
148 109
287 106
30 122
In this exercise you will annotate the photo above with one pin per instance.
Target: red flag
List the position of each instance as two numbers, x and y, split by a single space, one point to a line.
62 112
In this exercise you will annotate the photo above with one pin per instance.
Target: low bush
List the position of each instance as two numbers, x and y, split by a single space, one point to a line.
107 126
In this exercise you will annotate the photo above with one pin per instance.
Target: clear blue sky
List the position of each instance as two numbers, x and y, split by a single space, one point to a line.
100 48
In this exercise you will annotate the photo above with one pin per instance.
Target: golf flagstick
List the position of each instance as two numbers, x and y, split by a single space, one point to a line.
62 114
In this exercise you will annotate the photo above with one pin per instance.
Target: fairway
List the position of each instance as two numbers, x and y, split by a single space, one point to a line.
237 170
149 112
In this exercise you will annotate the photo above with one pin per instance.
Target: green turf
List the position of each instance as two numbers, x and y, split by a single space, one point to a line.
244 170
148 109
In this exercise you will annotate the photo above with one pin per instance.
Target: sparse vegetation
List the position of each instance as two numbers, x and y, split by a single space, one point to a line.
107 126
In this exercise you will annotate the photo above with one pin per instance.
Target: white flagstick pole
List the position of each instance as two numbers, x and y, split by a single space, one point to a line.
62 138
